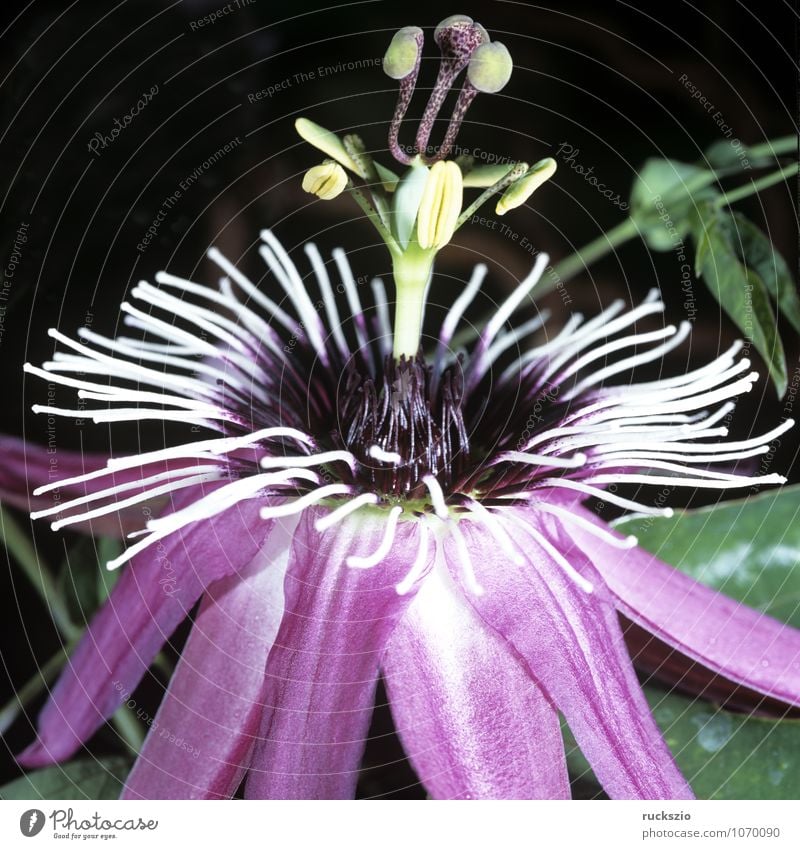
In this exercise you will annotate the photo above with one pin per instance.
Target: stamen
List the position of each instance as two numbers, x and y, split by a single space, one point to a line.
215 474
632 362
122 487
135 414
355 561
496 529
627 542
603 495
452 319
575 462
278 461
420 562
340 513
300 504
144 374
354 302
206 507
437 496
286 271
253 292
324 282
544 543
512 337
477 365
377 453
465 561
384 322
732 482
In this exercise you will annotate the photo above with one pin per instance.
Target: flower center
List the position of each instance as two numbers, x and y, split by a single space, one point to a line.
402 429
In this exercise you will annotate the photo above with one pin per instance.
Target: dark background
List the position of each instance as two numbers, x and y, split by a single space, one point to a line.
601 77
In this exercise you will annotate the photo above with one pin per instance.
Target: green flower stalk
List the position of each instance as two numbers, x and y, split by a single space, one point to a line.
418 212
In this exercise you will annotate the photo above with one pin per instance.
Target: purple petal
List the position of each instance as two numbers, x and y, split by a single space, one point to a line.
573 645
155 593
472 721
729 638
27 466
322 671
199 744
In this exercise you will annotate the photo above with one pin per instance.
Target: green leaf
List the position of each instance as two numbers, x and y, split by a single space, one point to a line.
722 155
83 581
748 549
724 755
108 548
101 778
664 195
739 290
756 250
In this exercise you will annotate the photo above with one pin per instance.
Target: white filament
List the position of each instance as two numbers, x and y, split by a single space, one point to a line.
336 516
437 496
377 453
355 561
419 564
465 562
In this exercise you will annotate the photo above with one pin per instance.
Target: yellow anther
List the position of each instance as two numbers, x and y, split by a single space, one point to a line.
517 193
440 205
326 181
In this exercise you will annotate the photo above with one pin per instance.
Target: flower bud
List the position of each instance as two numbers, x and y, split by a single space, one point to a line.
440 205
326 181
517 193
490 67
403 53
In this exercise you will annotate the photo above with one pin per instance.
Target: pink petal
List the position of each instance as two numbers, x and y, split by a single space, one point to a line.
322 671
572 643
199 744
157 590
472 721
734 640
27 466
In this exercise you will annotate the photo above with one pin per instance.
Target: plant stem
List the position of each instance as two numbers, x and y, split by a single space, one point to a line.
19 546
128 728
373 215
755 186
591 252
31 688
776 147
23 552
412 270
